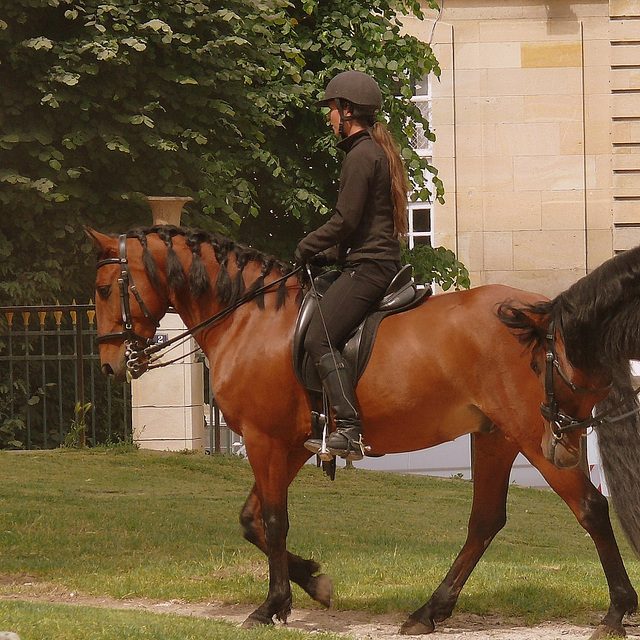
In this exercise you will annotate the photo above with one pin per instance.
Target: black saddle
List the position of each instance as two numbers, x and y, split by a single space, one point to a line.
401 295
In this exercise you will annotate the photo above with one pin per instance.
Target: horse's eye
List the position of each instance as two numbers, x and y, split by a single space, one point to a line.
535 367
104 291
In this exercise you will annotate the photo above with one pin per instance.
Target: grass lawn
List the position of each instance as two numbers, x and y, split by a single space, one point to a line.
34 621
165 526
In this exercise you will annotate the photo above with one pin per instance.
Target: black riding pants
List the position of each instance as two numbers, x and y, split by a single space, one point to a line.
346 303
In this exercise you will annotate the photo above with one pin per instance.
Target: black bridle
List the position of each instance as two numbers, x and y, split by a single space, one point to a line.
135 344
560 422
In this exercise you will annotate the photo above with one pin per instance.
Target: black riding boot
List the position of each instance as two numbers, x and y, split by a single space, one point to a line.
346 440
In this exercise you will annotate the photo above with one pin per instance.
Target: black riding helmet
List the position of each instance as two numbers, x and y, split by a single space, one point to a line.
357 88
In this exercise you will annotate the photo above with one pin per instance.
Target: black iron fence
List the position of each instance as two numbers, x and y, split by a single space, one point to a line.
51 387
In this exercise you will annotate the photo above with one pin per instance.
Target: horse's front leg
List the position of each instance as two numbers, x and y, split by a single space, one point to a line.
303 572
592 511
268 459
494 456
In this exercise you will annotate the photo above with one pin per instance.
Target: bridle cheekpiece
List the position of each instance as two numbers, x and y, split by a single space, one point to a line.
135 344
560 422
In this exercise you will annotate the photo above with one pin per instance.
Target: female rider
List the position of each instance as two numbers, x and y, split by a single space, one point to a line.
362 236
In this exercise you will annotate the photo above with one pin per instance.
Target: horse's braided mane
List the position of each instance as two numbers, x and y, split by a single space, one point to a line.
227 291
598 315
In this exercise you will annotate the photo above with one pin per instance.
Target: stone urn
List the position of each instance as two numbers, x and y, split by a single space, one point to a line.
167 209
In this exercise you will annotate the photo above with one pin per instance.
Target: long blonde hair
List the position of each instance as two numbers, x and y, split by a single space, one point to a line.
399 181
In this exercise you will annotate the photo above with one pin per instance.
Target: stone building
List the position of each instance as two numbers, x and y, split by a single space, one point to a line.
537 118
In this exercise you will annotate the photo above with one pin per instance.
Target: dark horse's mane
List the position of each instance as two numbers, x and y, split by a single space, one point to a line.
227 290
597 316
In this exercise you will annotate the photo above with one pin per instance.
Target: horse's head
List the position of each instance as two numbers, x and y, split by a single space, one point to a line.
128 303
569 393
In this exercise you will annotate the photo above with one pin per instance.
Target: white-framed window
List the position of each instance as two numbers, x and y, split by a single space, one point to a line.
420 224
421 213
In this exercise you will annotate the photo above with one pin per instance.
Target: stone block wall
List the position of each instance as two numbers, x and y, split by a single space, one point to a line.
538 136
625 121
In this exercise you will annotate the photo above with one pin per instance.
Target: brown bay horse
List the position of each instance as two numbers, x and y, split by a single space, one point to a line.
449 367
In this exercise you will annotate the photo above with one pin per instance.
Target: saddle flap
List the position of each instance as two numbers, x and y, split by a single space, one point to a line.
309 303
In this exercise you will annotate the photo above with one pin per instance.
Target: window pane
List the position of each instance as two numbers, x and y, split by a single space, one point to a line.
421 220
422 86
421 240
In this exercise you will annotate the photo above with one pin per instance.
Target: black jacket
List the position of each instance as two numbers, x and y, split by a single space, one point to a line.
362 227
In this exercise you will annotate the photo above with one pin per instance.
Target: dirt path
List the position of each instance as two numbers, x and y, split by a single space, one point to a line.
352 624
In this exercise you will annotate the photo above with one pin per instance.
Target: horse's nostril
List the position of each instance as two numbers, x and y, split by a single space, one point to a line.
107 370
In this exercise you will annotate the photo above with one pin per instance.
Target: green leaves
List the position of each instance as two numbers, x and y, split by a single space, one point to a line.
104 101
437 264
39 43
130 98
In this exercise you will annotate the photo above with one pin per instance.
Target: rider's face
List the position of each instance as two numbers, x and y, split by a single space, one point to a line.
334 117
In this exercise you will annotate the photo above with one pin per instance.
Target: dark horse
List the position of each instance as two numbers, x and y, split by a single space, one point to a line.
446 368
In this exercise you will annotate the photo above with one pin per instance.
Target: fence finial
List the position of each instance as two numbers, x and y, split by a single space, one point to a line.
42 314
58 314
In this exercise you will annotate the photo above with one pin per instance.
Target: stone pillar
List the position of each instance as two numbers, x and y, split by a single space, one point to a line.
168 403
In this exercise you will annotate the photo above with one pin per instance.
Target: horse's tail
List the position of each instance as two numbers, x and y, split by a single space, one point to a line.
619 445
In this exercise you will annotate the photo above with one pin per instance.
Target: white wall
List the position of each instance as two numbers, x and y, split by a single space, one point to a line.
448 460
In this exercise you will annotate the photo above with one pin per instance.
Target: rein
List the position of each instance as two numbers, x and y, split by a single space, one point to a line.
560 422
155 349
139 348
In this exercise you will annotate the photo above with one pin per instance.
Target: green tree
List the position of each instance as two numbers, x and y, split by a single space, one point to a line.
104 101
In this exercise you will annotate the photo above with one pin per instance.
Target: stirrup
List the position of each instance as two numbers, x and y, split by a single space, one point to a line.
319 445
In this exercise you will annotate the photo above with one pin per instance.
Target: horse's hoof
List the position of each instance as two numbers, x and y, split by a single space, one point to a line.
320 588
256 620
606 631
413 627
285 612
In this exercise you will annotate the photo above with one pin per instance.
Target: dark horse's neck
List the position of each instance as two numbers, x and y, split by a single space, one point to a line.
598 316
231 260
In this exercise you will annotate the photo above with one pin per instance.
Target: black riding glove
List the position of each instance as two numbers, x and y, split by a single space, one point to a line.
299 257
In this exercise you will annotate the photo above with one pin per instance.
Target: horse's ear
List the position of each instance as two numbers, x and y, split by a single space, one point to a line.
526 321
99 239
541 321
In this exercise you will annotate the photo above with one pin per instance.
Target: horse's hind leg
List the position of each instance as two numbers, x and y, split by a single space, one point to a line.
494 456
592 511
302 572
